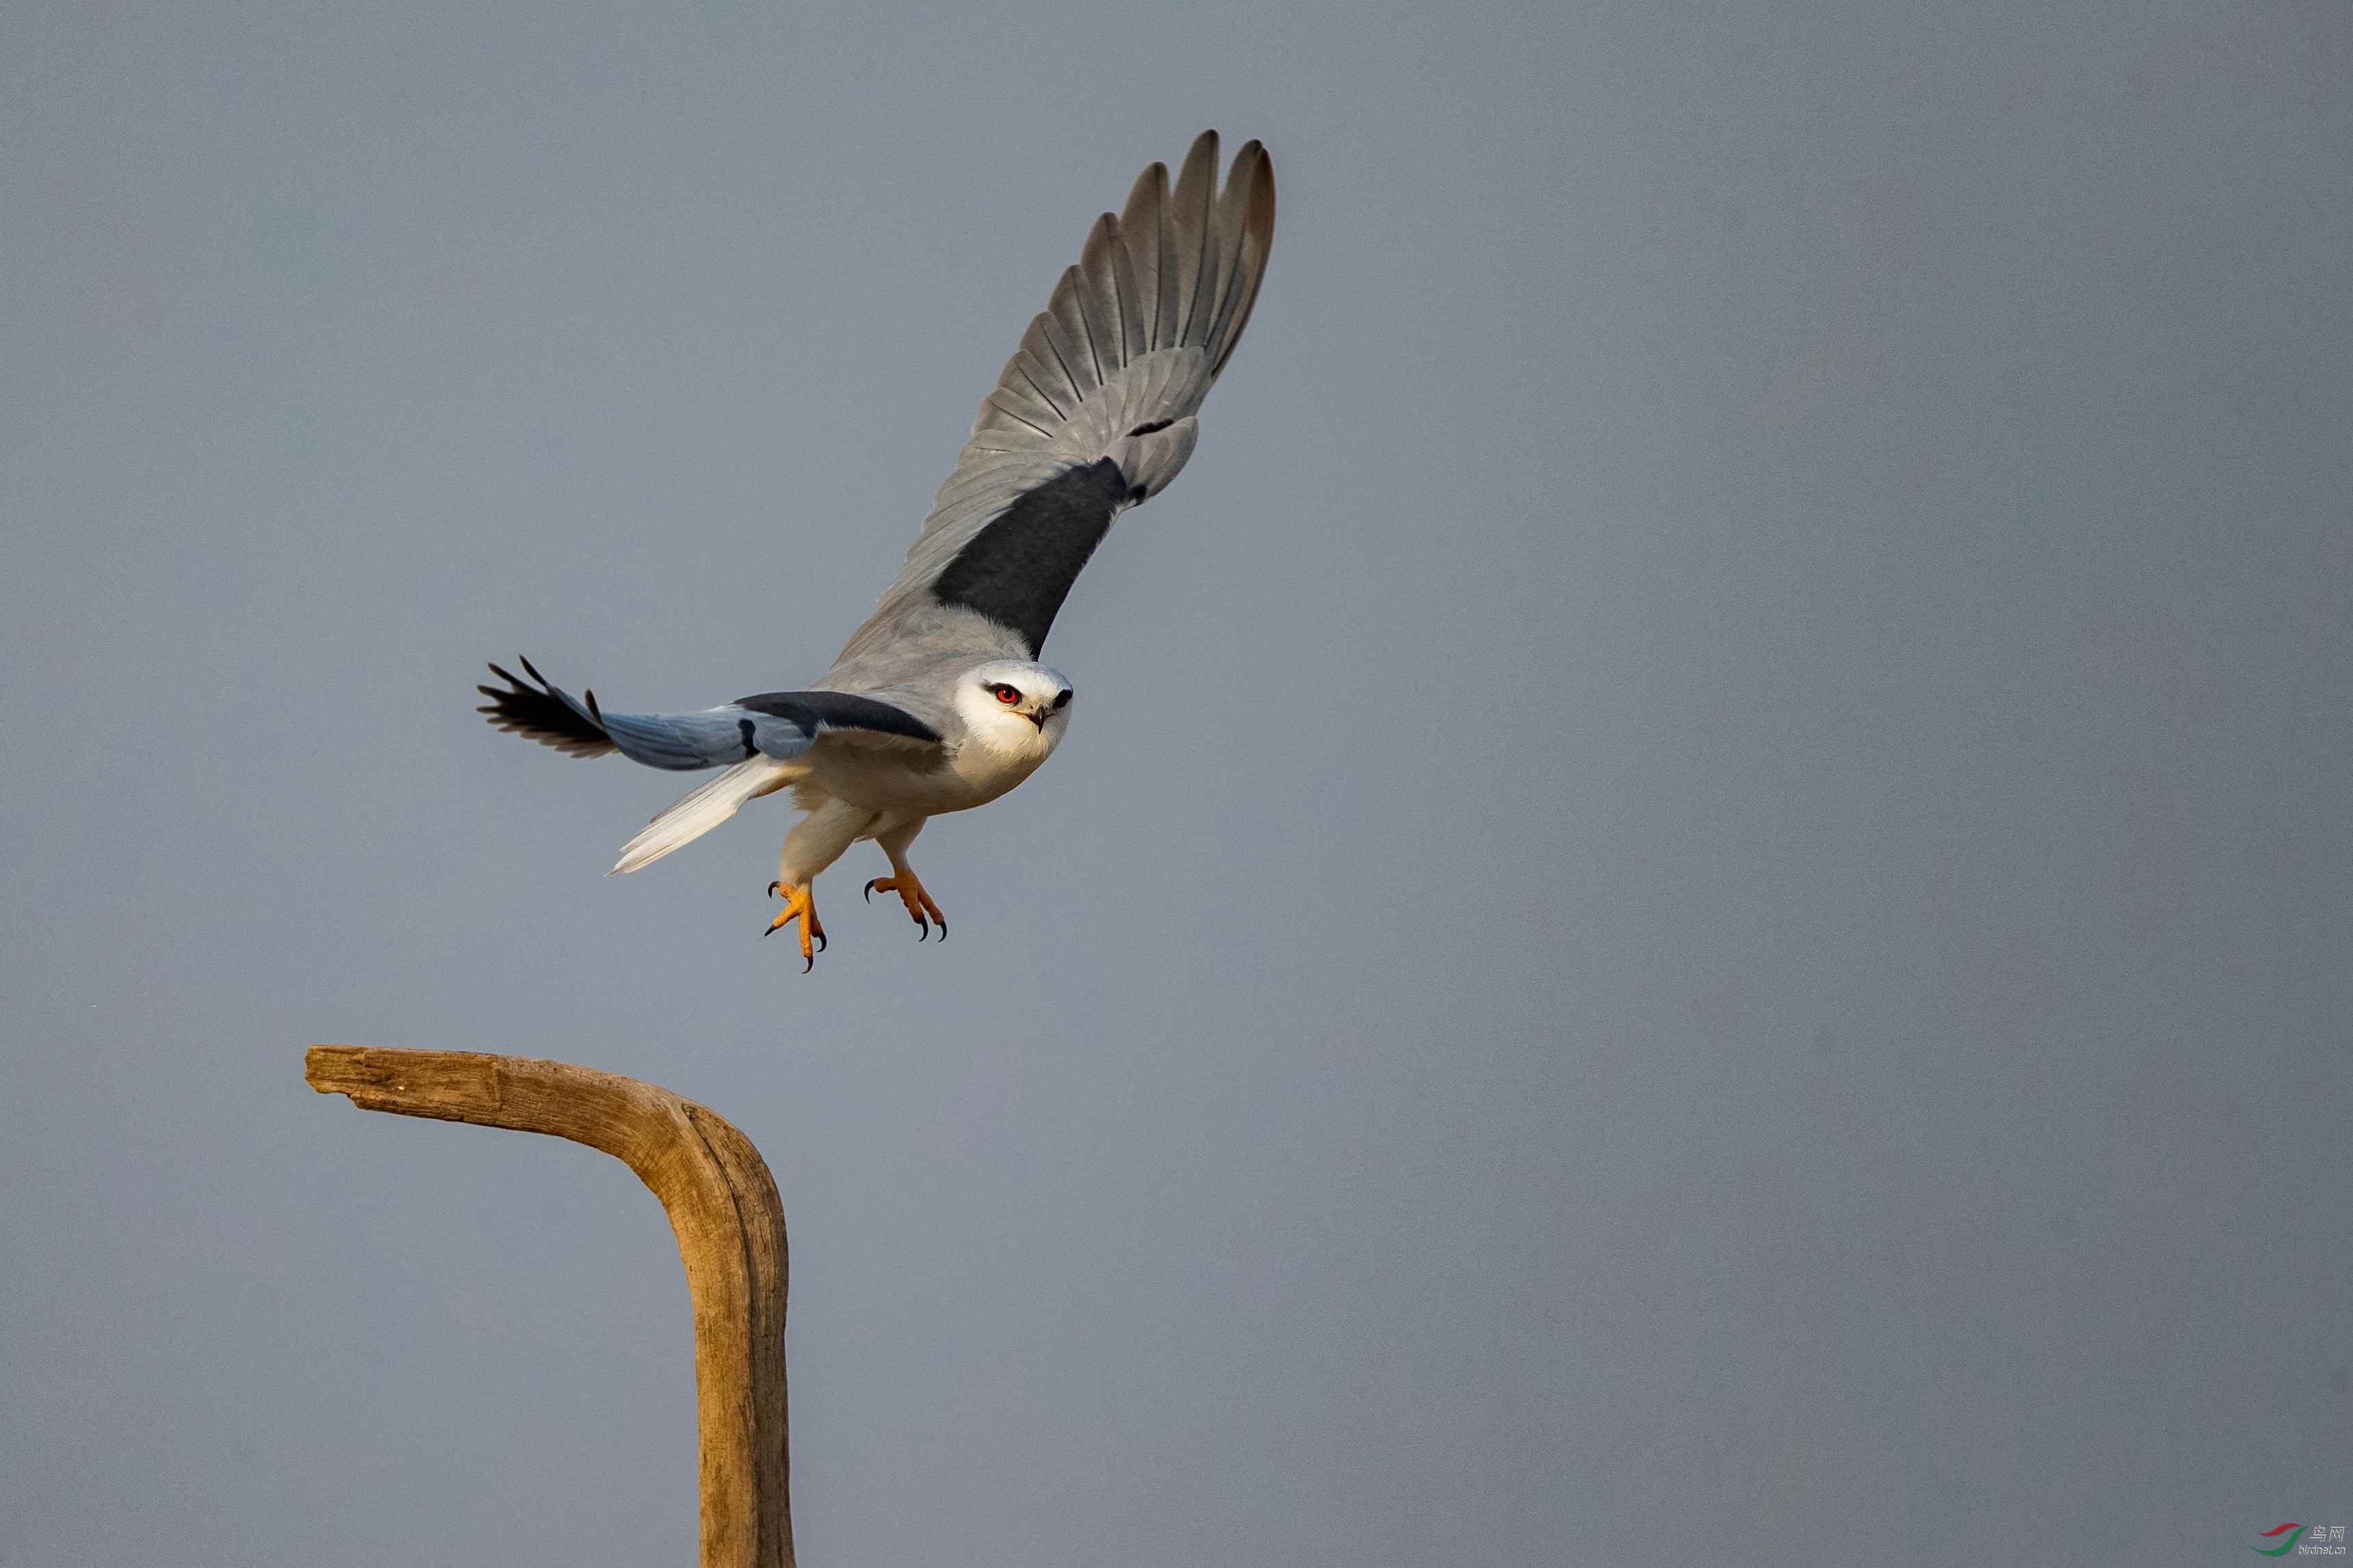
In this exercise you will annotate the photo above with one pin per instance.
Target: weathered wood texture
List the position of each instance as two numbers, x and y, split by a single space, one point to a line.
722 1207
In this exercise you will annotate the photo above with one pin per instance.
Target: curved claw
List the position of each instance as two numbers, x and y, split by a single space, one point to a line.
920 907
800 906
775 889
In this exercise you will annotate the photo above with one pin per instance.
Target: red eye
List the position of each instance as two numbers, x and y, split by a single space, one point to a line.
1007 694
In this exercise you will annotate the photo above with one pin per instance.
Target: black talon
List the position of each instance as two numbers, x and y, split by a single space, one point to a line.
820 940
870 890
808 963
772 889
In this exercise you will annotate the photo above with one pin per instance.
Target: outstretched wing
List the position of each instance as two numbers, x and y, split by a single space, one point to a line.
778 724
1094 412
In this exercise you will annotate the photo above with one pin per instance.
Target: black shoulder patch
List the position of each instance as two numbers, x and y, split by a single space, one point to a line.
806 711
1018 569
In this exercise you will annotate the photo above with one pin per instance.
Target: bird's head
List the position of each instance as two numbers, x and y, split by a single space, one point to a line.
1015 706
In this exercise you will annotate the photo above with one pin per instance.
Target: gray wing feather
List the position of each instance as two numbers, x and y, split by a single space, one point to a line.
1114 368
778 724
711 739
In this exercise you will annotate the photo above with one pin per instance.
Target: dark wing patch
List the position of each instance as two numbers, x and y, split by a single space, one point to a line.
809 711
543 714
1018 569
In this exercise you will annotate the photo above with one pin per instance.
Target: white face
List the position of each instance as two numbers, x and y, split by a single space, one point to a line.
1015 706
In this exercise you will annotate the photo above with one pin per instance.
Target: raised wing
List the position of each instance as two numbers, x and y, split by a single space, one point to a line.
1094 412
778 724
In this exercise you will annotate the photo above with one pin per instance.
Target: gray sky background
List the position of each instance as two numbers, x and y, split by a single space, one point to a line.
1697 909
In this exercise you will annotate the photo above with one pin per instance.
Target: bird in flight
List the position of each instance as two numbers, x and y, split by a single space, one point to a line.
939 703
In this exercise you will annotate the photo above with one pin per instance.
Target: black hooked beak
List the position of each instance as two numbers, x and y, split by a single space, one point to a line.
1040 717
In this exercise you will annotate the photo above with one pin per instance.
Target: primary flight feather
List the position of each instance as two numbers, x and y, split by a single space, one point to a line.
938 702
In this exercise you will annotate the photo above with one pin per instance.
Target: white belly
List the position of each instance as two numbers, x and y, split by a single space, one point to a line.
882 780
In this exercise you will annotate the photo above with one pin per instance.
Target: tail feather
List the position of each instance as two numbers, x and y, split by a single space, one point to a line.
698 812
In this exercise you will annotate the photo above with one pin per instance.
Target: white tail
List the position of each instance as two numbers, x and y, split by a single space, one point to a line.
694 815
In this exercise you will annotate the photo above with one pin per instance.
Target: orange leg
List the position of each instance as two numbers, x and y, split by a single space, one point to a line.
902 882
799 903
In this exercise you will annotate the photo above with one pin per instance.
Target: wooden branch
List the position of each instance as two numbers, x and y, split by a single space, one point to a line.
722 1207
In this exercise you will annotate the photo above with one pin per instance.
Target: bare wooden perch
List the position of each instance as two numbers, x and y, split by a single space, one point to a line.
723 1206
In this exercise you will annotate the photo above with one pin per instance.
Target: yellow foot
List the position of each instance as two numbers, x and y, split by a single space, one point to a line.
911 893
799 901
